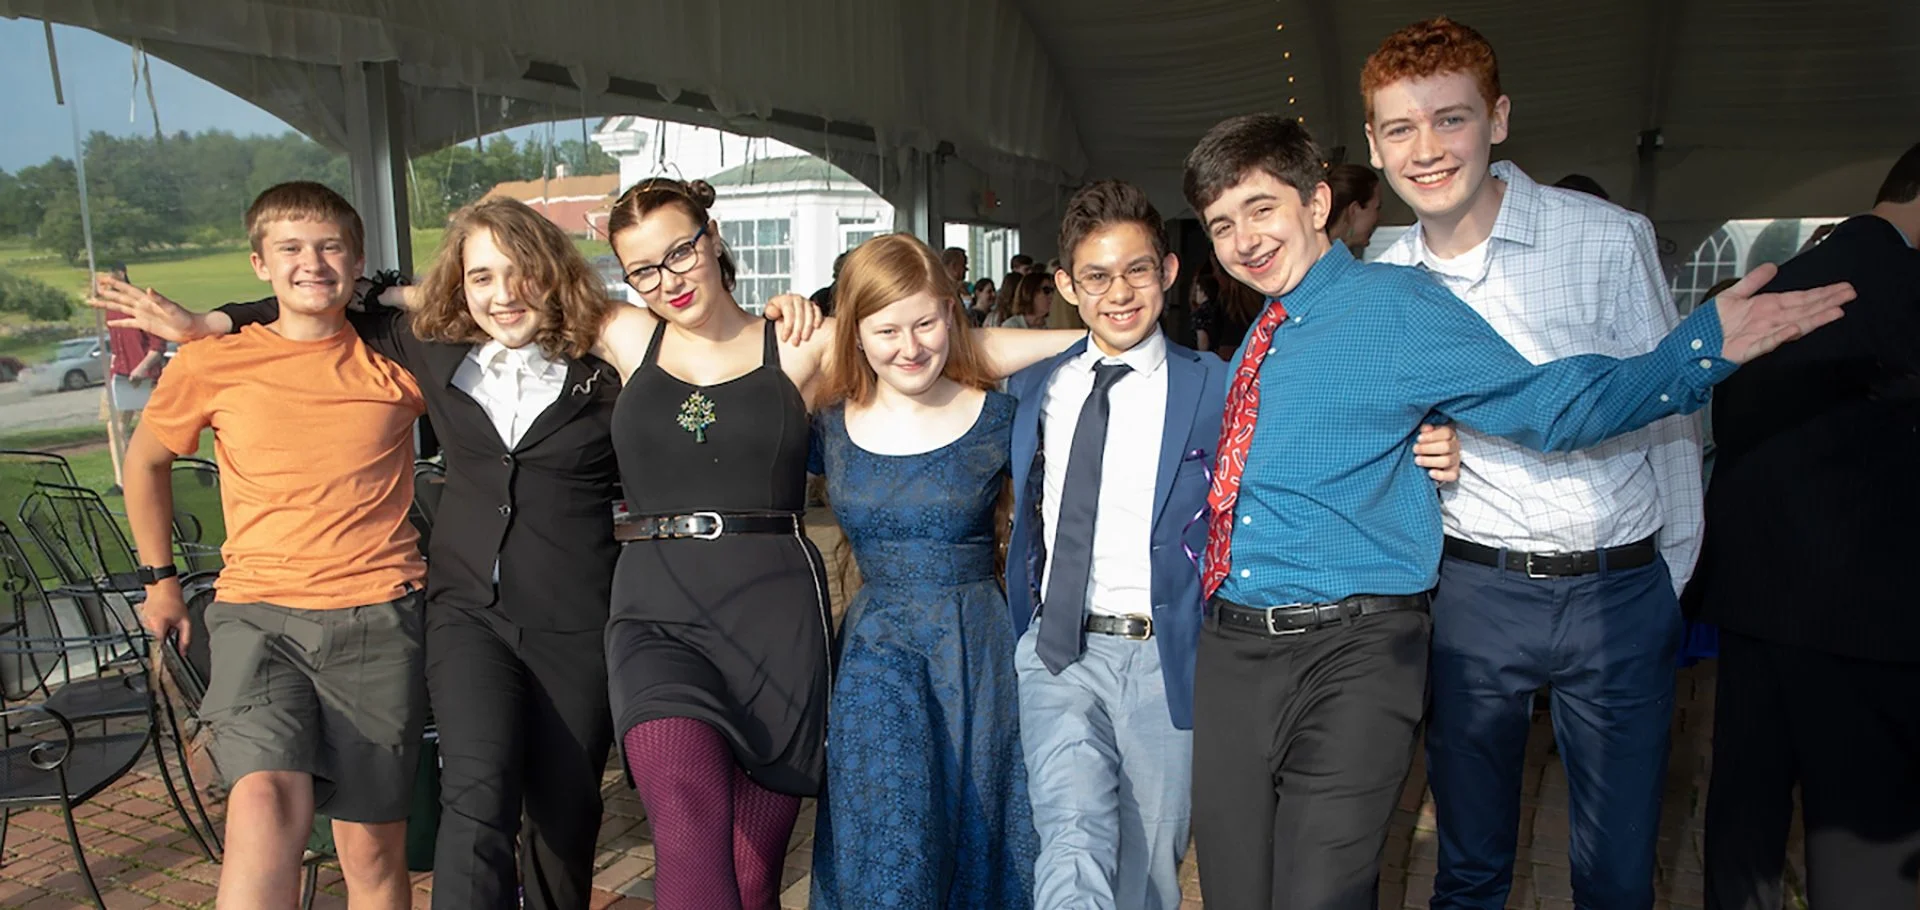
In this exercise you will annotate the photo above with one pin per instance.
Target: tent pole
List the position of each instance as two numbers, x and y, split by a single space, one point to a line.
377 151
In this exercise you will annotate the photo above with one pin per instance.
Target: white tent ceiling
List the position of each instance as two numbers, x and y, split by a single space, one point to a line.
1765 107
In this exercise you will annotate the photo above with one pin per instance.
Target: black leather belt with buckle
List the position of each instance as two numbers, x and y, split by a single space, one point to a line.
1554 565
1299 619
1137 628
704 525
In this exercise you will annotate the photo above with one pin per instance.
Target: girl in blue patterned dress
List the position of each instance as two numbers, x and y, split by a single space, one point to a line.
926 797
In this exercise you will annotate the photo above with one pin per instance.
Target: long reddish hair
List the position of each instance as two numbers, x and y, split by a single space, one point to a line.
877 274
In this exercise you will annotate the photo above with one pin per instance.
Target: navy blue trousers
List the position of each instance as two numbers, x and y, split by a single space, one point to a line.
1605 644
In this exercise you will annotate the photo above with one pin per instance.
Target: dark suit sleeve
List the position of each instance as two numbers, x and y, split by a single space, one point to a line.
384 329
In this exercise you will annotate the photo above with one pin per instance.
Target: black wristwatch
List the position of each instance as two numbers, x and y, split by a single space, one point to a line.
147 575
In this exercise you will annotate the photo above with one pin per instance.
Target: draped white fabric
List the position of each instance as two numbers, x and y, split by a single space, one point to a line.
1764 108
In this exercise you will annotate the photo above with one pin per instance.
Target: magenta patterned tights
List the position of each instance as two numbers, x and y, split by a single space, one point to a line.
718 837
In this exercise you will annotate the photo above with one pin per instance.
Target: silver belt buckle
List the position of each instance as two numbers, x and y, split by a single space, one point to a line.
719 525
1276 630
1530 572
1147 633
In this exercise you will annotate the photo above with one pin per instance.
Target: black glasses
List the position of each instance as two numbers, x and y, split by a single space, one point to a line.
679 260
1140 275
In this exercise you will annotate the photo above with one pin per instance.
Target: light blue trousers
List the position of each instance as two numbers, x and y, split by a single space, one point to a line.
1109 776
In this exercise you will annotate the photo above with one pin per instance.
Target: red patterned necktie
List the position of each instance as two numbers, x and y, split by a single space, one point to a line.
1236 436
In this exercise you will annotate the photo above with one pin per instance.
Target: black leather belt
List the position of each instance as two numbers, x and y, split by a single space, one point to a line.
1137 628
1298 619
704 525
1554 565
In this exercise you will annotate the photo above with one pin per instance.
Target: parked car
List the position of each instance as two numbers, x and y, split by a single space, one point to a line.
11 368
76 364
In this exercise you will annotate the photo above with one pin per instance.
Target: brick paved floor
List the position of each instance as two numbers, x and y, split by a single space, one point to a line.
143 857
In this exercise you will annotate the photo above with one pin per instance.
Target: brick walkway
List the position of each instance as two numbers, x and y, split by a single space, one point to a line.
142 857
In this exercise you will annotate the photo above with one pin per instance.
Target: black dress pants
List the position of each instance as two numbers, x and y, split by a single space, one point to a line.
1847 732
524 732
1301 745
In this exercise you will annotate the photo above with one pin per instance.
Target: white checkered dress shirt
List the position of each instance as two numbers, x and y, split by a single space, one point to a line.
1566 273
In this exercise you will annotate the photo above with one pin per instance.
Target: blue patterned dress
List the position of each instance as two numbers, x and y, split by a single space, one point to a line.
926 794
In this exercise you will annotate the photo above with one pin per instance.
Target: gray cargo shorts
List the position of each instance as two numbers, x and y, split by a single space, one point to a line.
337 694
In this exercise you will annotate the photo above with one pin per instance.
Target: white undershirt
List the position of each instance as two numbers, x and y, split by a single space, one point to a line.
1122 577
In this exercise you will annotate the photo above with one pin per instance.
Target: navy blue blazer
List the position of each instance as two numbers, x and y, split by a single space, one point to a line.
1196 398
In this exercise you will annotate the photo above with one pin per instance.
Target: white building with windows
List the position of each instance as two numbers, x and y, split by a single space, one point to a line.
785 214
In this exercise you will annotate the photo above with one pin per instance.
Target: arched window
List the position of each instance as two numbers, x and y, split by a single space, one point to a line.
1714 260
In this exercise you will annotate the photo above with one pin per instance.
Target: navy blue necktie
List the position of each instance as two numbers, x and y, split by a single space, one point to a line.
1064 614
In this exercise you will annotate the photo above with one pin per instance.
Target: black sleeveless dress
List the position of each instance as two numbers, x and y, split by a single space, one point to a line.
732 631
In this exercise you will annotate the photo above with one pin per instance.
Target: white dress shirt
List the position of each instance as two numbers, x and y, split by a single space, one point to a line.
1564 273
513 385
1121 583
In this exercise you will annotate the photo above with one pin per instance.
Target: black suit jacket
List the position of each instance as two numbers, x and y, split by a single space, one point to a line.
544 509
1813 510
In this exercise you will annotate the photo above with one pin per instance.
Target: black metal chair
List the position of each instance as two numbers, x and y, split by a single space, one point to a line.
199 523
103 674
63 771
20 472
90 552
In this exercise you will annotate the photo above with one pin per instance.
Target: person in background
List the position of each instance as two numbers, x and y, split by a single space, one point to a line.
984 298
823 298
955 261
1031 303
1356 206
1003 299
1206 289
1581 183
1020 263
134 367
1810 528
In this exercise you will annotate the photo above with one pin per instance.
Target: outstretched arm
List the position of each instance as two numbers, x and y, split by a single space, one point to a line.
150 311
1008 351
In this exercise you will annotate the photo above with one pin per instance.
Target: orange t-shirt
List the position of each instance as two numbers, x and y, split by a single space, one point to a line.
315 444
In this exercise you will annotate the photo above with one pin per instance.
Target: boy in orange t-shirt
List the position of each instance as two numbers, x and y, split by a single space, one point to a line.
317 696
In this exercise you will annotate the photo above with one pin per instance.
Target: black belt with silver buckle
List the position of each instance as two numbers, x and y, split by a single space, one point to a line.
704 525
1136 628
1554 565
1299 619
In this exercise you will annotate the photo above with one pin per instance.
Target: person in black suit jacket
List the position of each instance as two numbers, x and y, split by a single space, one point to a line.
1810 532
522 552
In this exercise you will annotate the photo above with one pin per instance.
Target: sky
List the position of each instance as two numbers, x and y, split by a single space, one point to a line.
96 72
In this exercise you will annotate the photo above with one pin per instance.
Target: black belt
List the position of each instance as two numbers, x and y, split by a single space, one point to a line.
1298 619
704 525
1554 565
1137 628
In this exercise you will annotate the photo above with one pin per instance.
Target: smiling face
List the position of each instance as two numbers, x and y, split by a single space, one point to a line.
906 342
1434 137
1121 315
669 235
1264 235
492 284
310 263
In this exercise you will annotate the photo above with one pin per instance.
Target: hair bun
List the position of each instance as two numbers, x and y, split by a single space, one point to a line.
701 192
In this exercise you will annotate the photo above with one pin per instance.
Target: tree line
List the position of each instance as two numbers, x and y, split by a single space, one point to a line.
147 194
